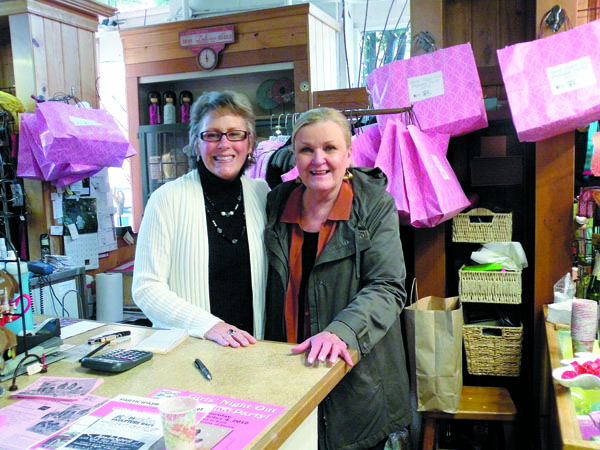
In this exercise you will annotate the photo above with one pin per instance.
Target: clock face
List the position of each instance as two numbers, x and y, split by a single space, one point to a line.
207 58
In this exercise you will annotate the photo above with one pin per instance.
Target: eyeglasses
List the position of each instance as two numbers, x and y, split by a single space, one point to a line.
215 136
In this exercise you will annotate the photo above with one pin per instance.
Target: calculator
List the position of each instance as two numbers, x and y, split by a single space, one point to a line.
117 360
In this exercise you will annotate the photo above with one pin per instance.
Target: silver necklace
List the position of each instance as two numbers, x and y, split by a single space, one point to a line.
225 213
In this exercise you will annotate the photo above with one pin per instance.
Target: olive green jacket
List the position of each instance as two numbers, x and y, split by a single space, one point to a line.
356 291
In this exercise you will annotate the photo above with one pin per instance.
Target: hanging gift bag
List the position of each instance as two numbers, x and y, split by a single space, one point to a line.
81 135
434 328
443 87
389 160
553 83
27 166
365 146
433 191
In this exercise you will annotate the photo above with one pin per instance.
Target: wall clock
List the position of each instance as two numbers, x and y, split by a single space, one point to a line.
207 58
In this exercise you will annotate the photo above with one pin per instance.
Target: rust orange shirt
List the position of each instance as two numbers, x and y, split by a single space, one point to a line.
293 214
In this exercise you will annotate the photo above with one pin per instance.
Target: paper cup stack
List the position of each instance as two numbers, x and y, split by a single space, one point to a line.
584 323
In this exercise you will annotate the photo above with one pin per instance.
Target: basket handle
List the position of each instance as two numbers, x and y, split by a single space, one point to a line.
480 212
492 332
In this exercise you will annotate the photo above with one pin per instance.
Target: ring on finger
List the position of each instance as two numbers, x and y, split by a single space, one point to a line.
231 331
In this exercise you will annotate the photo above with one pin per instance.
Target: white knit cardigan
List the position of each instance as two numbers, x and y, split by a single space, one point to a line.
170 277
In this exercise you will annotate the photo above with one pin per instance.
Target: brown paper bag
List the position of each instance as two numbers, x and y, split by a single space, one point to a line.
434 335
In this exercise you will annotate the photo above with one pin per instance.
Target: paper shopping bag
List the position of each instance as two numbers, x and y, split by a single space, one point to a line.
434 334
434 193
553 83
443 87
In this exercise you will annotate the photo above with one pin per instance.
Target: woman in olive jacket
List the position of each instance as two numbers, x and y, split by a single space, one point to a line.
350 289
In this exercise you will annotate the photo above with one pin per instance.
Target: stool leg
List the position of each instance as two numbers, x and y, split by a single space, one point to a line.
430 434
509 435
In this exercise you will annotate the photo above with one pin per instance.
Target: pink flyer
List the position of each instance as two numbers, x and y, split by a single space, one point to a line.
244 419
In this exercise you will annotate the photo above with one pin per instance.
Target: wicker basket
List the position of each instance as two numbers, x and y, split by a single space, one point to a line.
493 350
475 226
487 286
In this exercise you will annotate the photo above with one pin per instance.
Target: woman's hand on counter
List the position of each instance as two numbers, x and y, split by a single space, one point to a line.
229 336
325 346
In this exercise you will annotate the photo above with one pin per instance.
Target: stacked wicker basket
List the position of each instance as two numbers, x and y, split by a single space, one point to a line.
490 349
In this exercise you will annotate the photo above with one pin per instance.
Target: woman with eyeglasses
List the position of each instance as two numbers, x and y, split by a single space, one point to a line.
200 262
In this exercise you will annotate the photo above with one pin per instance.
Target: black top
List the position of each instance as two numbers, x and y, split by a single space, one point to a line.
230 285
310 245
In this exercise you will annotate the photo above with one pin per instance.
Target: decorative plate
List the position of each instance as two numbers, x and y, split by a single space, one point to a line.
264 97
584 380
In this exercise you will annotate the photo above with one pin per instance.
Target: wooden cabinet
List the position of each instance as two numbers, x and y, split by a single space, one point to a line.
48 47
299 40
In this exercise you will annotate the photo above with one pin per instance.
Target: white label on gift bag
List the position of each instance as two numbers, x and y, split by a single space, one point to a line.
571 76
439 166
78 121
425 86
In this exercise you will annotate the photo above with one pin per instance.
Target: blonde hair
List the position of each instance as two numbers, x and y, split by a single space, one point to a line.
323 114
222 102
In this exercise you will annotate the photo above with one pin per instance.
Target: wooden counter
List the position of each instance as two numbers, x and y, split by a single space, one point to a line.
266 372
564 421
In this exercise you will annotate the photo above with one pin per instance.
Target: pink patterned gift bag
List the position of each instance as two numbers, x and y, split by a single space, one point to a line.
69 134
389 160
365 146
27 166
552 83
443 87
433 191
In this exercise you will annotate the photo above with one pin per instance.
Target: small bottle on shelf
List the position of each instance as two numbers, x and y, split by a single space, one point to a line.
593 290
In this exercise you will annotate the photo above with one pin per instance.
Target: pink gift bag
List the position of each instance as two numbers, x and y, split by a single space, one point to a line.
443 87
32 162
552 83
365 146
81 135
63 144
433 191
27 166
389 160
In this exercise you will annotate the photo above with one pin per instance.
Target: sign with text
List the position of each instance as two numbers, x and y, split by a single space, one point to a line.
203 37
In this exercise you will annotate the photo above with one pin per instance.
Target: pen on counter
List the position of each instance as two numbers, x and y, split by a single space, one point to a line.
202 368
96 350
109 337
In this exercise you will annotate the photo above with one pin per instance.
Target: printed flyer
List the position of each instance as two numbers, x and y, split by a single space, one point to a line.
242 420
26 422
125 422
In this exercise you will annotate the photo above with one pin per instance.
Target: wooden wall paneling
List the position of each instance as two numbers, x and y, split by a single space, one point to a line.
38 41
430 15
23 65
457 23
71 63
57 11
302 99
7 77
430 260
87 58
555 175
513 19
252 32
133 123
484 32
54 64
